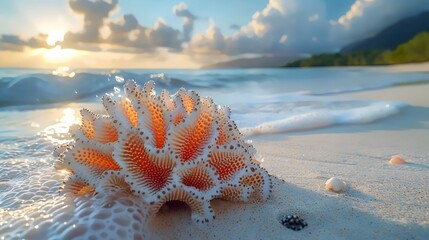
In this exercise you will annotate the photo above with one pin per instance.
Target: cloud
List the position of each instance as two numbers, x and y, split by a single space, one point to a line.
207 46
283 38
297 27
212 41
365 18
131 37
356 10
15 43
163 35
99 32
12 43
94 14
128 33
313 18
181 10
280 28
126 24
125 34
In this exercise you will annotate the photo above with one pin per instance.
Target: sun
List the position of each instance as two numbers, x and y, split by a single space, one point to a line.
54 37
59 55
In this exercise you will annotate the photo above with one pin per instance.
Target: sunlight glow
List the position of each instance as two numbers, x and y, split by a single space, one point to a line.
54 37
58 133
57 54
63 71
69 117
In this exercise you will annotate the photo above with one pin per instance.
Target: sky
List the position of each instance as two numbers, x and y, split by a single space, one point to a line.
184 34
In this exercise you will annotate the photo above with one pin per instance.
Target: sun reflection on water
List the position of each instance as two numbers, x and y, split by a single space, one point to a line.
58 132
63 71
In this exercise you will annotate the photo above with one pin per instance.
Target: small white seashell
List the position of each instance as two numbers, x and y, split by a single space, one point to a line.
335 185
396 159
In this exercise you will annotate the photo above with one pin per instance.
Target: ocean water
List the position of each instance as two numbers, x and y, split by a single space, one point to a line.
37 107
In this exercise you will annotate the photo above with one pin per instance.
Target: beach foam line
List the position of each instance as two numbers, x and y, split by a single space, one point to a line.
315 119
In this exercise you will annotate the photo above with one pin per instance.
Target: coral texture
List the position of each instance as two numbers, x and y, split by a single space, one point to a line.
163 148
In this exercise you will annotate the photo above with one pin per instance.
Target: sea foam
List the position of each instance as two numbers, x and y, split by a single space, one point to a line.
321 118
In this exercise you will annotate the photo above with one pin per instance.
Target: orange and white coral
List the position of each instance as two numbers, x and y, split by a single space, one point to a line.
163 148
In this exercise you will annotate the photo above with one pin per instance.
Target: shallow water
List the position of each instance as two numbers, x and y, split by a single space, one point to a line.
37 108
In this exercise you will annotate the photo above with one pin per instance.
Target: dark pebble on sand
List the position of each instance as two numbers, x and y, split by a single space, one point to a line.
293 222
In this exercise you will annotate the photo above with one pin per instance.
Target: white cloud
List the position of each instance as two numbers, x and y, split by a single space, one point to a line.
356 10
282 27
181 10
134 37
279 28
212 41
313 18
365 18
125 34
99 32
283 38
292 27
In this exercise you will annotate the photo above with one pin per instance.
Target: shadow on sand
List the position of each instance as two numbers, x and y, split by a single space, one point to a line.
328 217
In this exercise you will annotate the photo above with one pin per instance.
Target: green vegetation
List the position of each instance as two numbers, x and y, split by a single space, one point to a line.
413 51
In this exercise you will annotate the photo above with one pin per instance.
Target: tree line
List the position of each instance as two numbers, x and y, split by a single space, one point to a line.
414 51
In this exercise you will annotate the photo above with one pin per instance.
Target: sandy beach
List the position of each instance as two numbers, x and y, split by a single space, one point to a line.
382 201
409 67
